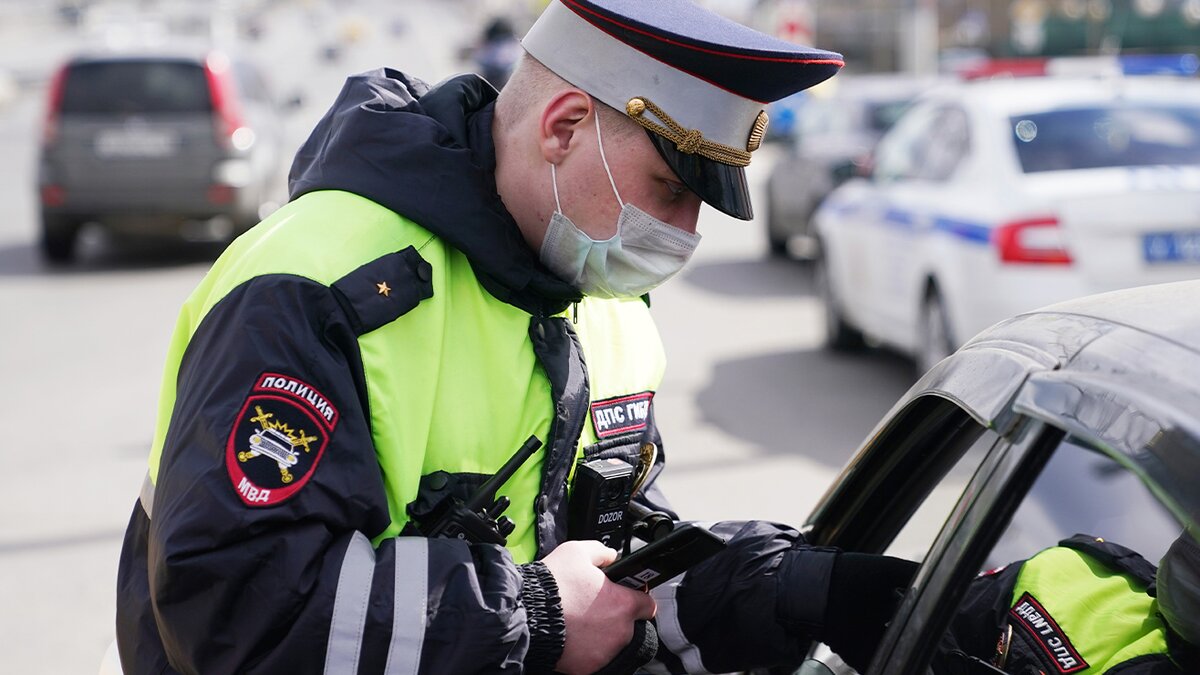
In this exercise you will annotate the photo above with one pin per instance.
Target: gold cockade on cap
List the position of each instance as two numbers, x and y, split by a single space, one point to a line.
757 131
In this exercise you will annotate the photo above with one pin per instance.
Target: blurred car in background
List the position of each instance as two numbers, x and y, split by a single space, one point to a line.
783 115
8 88
991 197
181 144
1082 417
827 132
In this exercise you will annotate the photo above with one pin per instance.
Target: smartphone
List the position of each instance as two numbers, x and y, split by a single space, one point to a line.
657 562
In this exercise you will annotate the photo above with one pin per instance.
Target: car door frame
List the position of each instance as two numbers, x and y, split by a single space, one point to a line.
911 451
980 381
987 504
1136 418
1047 408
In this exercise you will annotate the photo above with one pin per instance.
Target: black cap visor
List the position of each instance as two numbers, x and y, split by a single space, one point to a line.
721 186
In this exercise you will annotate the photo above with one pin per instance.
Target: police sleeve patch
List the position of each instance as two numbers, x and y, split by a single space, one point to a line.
621 415
278 438
1037 624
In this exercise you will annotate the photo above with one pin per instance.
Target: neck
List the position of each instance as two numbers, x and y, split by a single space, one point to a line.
517 186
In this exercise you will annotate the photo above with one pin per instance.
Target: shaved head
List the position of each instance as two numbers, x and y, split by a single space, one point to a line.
532 85
545 127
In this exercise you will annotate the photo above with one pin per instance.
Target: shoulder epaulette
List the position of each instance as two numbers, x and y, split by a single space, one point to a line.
385 289
1114 556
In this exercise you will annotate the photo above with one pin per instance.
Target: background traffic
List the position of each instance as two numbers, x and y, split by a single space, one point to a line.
118 195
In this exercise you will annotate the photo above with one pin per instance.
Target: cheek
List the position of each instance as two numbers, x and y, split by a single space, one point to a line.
687 214
598 216
683 212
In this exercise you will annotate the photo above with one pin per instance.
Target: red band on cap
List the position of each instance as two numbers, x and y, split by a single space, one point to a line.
577 8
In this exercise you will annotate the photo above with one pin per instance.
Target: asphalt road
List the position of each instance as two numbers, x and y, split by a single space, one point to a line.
757 418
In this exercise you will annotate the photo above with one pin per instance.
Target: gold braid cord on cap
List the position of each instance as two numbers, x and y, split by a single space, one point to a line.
689 141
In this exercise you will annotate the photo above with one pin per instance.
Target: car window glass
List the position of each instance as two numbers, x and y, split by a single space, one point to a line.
1079 491
136 87
917 536
882 115
1082 491
946 145
902 151
1129 134
816 118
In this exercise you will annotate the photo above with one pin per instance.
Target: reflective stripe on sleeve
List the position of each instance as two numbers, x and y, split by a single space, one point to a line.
350 606
670 632
146 496
408 611
656 668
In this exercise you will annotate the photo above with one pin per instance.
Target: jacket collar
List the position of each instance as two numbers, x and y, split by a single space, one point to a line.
428 154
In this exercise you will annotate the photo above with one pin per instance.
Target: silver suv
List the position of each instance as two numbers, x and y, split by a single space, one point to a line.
157 144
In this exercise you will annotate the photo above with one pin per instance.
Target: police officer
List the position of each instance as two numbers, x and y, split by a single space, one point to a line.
1084 606
454 273
497 51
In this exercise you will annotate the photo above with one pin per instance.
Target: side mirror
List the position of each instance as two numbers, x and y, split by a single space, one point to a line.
843 171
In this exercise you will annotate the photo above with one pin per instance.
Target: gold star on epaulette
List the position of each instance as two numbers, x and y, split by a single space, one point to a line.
384 289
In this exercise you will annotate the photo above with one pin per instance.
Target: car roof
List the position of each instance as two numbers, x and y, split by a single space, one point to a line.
1119 371
183 51
1168 311
1010 96
875 87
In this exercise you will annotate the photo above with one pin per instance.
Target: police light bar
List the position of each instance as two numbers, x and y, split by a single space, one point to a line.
1179 65
1184 65
1032 67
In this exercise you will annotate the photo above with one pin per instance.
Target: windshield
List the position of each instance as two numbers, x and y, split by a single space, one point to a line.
136 87
1129 134
882 115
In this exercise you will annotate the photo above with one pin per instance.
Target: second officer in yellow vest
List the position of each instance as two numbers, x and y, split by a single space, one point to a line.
1084 607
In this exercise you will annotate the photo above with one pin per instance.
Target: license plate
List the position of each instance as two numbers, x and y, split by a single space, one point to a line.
1169 247
135 143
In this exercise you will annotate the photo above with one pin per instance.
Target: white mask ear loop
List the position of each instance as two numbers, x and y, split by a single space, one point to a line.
596 112
554 181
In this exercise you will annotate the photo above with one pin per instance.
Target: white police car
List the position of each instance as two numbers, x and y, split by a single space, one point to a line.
995 196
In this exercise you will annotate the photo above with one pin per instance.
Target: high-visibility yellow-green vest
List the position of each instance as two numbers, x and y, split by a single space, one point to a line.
1086 616
453 385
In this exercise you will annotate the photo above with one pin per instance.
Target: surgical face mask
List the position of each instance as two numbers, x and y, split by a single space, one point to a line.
643 253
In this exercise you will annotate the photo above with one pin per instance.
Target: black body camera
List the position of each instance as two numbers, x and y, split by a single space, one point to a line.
600 502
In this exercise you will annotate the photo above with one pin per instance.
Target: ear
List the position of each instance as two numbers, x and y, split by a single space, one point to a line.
560 121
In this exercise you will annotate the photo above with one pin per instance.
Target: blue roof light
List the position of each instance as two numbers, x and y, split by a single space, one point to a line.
1160 64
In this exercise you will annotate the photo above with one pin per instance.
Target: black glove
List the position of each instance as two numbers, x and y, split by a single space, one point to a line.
842 599
637 653
864 592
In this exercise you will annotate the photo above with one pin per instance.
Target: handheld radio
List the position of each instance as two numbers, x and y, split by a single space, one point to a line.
479 520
